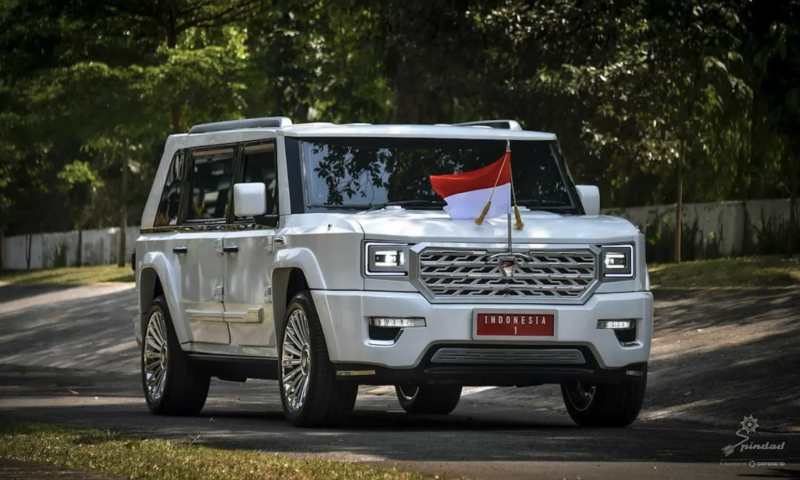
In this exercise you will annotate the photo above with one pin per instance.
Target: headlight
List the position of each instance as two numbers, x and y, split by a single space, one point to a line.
386 259
617 261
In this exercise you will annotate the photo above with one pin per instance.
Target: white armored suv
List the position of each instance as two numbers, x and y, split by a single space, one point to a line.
319 255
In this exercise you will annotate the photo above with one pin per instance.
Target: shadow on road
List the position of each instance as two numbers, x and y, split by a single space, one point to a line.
717 357
722 354
85 328
727 354
381 435
9 293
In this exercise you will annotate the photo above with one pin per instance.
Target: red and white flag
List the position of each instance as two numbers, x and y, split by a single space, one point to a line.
468 193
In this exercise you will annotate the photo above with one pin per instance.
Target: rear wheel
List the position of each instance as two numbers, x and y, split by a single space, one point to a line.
172 383
604 404
310 394
428 399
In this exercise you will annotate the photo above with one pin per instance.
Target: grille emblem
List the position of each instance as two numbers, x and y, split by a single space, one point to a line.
507 266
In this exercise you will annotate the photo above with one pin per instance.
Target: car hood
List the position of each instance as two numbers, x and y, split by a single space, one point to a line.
540 227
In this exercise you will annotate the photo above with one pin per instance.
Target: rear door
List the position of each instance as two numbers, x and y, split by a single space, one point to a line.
200 245
248 293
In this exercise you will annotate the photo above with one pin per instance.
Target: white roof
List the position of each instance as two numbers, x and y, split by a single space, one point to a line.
411 131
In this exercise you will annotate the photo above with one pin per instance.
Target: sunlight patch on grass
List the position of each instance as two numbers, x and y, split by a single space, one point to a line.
68 275
766 271
115 454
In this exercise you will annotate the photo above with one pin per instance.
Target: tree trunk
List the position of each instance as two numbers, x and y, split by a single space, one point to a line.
2 249
175 116
792 230
28 242
79 253
175 105
679 208
123 214
415 101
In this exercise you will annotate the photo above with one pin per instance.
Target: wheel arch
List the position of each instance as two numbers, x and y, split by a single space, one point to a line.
155 277
287 282
294 268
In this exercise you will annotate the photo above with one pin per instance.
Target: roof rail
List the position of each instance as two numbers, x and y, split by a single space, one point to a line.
264 122
504 124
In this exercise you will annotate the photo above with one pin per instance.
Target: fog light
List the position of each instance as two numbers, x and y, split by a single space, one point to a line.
615 324
388 322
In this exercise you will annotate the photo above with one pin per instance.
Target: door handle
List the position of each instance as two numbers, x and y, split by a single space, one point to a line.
180 249
230 249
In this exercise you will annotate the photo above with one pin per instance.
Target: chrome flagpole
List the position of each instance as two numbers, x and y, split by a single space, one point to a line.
510 250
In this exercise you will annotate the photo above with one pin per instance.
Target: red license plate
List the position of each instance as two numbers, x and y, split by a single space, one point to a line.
516 324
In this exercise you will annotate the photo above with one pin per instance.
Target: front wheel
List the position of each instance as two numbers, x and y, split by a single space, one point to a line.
172 383
310 394
428 399
604 404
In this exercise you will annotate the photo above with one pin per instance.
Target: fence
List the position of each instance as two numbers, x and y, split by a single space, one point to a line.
711 230
708 230
51 250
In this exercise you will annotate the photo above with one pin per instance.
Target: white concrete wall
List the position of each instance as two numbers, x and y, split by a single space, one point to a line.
738 227
99 247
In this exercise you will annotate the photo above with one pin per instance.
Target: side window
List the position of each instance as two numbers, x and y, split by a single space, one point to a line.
167 212
210 184
259 163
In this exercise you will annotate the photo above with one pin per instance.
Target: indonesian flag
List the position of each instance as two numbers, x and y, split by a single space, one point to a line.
467 193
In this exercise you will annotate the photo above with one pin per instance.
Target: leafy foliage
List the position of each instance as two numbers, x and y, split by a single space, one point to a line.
652 100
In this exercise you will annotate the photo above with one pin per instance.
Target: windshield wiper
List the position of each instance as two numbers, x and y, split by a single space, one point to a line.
418 203
538 204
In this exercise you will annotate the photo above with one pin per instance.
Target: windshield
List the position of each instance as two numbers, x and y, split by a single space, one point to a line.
363 172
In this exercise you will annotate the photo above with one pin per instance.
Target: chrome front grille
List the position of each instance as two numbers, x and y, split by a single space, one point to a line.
511 356
525 276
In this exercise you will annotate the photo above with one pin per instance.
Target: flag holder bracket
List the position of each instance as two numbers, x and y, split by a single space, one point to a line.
510 249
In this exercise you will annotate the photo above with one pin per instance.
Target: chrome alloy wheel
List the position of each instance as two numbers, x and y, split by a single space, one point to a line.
581 394
156 356
408 393
296 360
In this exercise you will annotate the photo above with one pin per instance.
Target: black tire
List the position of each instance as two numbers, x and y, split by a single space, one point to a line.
611 405
428 399
327 403
186 384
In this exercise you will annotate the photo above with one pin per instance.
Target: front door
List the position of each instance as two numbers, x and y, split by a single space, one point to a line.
202 285
248 266
204 257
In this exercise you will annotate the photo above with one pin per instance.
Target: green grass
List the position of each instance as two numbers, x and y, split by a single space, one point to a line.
767 271
68 275
114 454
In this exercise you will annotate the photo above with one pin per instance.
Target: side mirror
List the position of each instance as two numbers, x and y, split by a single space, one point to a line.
590 198
249 199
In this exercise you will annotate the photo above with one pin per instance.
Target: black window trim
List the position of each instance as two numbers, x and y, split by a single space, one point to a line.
182 181
566 176
186 194
295 175
238 177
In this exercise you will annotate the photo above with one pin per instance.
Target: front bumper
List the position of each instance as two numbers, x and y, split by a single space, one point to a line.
344 316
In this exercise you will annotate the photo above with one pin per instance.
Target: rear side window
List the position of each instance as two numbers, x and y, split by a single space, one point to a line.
211 184
167 213
259 166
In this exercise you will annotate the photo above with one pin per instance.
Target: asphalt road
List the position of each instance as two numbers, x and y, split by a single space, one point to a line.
718 357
